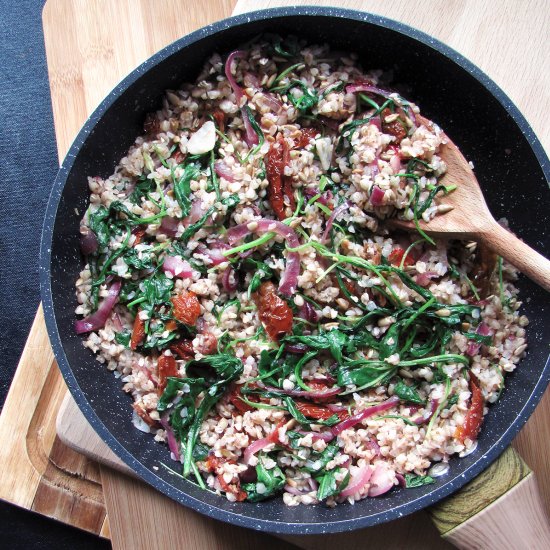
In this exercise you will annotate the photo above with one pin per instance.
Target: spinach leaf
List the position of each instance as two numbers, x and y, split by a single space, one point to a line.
328 486
408 393
261 272
123 338
268 483
156 339
412 481
390 343
334 340
156 290
317 462
230 202
182 187
487 340
143 186
98 223
364 376
140 260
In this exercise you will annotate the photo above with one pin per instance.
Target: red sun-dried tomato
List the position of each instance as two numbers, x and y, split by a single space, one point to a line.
280 186
183 349
138 332
144 415
166 366
319 412
395 128
139 233
234 397
186 307
273 311
307 135
396 255
474 417
219 117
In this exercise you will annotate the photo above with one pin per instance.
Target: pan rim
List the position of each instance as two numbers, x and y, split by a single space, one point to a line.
144 473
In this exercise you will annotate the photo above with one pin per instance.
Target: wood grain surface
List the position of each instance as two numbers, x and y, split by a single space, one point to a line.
89 51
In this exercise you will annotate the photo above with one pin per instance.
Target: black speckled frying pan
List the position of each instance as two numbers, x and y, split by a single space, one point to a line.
510 165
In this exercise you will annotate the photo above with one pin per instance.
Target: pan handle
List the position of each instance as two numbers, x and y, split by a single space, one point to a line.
500 509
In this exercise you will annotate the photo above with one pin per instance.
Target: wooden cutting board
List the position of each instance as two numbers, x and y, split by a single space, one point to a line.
88 52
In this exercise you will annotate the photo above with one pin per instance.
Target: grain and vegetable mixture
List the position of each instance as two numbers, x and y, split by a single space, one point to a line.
271 330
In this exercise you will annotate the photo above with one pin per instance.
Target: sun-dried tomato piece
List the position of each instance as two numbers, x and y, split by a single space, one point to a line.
186 307
273 311
139 233
208 343
396 255
178 156
166 366
138 332
219 117
279 185
213 464
307 135
474 417
183 349
319 412
395 128
234 397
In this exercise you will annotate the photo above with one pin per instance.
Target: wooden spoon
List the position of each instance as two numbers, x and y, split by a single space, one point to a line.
470 218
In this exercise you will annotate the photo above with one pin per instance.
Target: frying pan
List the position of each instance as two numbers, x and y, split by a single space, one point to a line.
510 165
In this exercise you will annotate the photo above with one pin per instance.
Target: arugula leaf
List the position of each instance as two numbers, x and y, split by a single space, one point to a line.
412 481
268 483
230 202
408 393
182 187
295 413
487 340
364 376
98 223
328 487
306 101
156 338
261 272
390 343
156 290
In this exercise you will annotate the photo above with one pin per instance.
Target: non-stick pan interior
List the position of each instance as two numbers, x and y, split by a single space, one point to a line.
458 97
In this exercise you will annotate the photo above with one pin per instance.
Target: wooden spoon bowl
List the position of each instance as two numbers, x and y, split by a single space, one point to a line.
470 218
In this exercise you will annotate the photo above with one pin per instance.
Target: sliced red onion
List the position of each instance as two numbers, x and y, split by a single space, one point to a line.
117 323
255 447
169 226
313 484
229 281
374 170
381 481
473 346
430 411
251 80
196 213
177 267
357 482
376 122
289 279
316 436
298 349
377 196
88 242
424 279
401 479
335 408
314 394
271 101
214 252
238 91
370 411
395 163
295 491
368 88
325 198
251 137
171 438
224 171
335 213
372 444
308 312
97 320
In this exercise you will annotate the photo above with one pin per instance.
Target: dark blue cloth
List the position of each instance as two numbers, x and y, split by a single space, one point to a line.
28 161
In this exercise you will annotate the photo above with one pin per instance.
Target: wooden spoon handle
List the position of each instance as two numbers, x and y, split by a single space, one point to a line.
501 509
522 256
